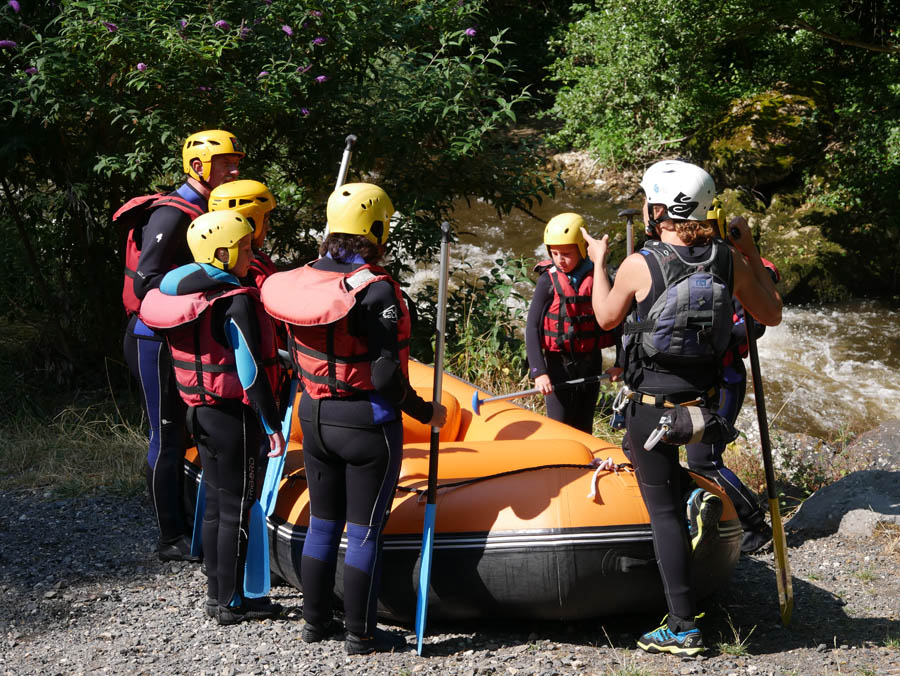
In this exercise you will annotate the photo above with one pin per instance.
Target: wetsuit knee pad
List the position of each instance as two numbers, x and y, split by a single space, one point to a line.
322 539
362 547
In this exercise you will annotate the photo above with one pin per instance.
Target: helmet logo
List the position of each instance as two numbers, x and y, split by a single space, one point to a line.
236 145
682 206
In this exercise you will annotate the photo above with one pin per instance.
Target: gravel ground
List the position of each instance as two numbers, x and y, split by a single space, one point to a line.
86 595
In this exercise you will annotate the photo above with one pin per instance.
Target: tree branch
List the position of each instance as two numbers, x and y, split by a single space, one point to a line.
891 49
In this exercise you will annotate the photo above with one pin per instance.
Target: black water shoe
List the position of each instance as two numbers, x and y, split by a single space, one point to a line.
704 509
756 538
313 633
178 550
380 642
250 609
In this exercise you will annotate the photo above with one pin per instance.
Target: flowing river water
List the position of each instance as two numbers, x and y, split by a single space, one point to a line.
828 370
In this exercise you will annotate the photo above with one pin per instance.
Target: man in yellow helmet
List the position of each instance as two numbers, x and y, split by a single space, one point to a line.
223 348
255 202
157 225
562 339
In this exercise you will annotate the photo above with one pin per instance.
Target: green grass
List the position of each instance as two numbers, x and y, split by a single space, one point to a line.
737 646
865 575
892 642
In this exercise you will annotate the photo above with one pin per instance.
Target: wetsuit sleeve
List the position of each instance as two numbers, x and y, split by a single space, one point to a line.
534 324
242 334
381 310
163 247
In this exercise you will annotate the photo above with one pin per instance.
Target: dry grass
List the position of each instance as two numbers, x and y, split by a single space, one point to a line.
75 452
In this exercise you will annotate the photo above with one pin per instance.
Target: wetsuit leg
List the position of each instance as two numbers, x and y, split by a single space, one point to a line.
362 465
659 478
150 362
228 436
707 459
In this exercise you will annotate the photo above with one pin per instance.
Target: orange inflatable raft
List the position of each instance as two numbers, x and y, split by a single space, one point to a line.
527 525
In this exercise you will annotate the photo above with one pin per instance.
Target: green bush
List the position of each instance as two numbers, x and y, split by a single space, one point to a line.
96 98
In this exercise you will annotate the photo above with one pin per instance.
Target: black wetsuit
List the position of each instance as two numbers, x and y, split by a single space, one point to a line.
163 247
660 475
352 449
229 435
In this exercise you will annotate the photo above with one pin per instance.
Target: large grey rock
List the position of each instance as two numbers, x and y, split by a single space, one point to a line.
874 491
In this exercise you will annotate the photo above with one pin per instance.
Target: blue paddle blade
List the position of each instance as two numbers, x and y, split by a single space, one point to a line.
424 575
269 494
476 405
256 570
199 508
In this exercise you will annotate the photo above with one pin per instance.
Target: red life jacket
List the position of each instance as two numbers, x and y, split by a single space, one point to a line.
133 216
260 269
570 325
316 305
205 370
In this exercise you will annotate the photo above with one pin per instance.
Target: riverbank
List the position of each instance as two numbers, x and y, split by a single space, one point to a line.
85 594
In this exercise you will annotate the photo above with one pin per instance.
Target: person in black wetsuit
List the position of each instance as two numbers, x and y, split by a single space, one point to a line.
562 339
210 158
678 198
353 366
226 368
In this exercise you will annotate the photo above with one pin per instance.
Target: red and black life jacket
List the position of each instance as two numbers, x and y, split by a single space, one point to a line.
569 325
132 216
316 304
205 370
260 269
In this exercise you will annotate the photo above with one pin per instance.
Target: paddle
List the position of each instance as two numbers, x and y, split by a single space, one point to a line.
476 402
257 574
430 506
349 142
199 509
629 214
782 566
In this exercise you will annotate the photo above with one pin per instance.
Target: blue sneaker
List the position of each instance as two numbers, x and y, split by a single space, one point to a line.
664 640
704 509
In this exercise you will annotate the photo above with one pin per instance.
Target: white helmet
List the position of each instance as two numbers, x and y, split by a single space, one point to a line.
684 189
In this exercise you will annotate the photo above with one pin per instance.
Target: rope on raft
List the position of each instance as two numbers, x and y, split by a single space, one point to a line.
597 465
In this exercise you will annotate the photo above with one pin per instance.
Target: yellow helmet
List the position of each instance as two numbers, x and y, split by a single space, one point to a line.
251 199
565 229
717 213
204 145
360 209
217 230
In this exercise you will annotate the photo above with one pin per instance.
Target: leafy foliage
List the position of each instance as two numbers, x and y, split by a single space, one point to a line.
98 96
640 78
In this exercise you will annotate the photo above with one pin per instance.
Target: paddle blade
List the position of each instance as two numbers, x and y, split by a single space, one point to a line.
424 575
199 508
268 496
256 570
476 405
782 565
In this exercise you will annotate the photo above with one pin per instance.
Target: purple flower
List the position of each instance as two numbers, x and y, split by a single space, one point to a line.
319 41
322 78
471 32
7 44
31 70
183 23
262 74
315 12
15 7
268 2
288 30
141 66
303 69
203 89
221 23
304 112
111 27
245 31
